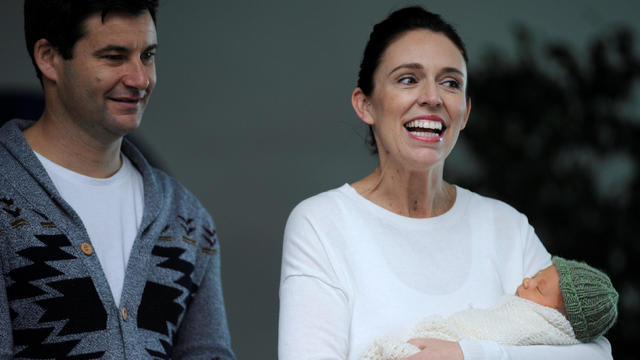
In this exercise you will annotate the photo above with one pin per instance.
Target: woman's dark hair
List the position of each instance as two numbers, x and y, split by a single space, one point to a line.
385 32
61 22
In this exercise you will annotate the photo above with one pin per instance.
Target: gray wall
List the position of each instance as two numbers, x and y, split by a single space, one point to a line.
252 111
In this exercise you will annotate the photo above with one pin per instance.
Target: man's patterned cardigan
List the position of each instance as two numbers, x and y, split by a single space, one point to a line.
55 301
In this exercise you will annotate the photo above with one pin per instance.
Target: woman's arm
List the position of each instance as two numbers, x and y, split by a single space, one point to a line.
314 308
597 350
313 321
490 350
435 349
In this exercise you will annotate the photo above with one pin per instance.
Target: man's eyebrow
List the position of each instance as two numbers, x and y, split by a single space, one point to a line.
151 47
121 49
109 48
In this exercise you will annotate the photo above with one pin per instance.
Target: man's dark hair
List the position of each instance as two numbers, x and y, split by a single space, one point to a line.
61 22
388 30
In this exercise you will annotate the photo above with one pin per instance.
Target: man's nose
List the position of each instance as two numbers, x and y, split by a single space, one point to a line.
137 75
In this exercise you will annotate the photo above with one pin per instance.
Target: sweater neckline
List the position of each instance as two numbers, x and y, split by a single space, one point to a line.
462 198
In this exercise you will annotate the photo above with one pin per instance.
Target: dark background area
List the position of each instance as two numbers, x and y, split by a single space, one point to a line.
252 113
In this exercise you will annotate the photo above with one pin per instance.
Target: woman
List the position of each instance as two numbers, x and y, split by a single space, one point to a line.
362 261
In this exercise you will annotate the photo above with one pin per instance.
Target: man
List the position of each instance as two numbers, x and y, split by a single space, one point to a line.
102 256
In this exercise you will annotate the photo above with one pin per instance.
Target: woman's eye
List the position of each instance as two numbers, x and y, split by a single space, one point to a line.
407 80
452 84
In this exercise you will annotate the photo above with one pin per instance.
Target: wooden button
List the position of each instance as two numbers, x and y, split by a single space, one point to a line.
124 313
86 248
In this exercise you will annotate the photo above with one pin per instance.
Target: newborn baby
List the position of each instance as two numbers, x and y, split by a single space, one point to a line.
566 303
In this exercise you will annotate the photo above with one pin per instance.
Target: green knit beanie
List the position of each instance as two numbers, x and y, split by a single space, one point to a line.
589 298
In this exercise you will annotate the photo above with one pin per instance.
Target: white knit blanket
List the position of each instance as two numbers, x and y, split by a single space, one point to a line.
514 321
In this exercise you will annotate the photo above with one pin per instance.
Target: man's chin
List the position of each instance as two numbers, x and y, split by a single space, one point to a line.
122 125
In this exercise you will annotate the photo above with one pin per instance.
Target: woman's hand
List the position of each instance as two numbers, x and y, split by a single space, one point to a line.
434 349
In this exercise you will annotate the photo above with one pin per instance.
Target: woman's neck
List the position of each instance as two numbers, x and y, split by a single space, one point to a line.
416 194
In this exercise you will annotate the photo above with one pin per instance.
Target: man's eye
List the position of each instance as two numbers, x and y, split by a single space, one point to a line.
114 57
148 55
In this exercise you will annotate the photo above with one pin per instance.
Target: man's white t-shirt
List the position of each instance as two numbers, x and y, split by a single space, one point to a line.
110 209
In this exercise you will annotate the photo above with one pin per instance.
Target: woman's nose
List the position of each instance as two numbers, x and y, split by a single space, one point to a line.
430 95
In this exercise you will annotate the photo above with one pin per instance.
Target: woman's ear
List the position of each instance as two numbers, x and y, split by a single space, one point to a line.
466 115
362 106
46 58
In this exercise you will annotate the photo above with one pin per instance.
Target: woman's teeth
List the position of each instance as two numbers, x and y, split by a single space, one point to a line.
424 128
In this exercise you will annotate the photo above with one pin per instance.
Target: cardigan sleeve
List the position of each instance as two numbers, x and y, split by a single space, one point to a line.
204 333
6 340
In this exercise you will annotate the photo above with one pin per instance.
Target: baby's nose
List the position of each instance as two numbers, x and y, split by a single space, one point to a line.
525 283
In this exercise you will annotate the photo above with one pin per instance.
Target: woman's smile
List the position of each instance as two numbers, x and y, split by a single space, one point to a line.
427 128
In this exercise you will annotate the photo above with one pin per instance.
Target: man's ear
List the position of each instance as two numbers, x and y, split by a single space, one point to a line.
47 59
362 106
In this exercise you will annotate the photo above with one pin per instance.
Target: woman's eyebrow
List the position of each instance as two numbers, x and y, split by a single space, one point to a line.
418 66
413 66
449 70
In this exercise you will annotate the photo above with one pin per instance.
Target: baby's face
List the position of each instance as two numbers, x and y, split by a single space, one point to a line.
543 288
